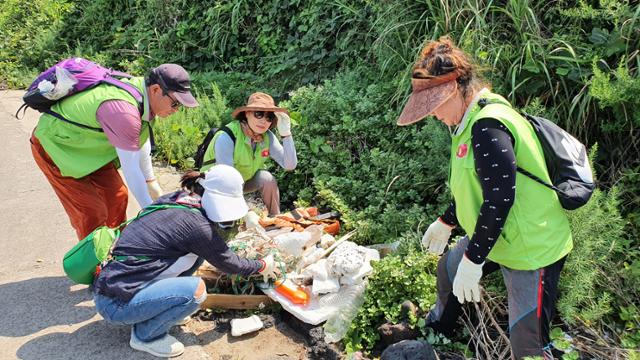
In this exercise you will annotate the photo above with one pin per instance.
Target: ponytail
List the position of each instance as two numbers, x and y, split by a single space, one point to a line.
189 181
441 56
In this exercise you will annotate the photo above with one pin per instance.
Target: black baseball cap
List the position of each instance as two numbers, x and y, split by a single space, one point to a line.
174 78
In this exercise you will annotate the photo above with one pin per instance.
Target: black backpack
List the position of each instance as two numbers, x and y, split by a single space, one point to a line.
566 159
198 157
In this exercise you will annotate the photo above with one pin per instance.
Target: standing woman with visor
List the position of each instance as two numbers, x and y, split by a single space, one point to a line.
511 222
248 142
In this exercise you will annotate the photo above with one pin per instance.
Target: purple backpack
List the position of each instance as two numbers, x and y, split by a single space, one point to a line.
69 77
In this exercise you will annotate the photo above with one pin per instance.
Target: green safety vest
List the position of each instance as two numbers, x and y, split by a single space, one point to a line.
76 151
245 159
536 232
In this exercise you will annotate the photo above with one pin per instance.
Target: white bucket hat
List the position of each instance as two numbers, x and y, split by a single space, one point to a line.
223 199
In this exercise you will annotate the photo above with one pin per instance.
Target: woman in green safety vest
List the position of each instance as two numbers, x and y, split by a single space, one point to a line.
248 142
511 222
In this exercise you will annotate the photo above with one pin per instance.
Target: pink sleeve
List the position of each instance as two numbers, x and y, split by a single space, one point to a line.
121 123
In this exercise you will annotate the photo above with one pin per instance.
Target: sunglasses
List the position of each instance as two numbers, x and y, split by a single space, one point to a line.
262 114
175 104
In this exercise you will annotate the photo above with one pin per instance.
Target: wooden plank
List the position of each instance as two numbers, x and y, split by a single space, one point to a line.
235 302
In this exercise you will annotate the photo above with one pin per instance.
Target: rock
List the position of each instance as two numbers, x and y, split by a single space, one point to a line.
409 350
408 308
393 333
268 320
318 349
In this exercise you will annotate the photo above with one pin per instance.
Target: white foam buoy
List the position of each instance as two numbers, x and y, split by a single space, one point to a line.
247 325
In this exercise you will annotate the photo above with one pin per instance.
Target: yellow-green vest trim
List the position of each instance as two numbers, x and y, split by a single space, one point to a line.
76 151
536 232
245 159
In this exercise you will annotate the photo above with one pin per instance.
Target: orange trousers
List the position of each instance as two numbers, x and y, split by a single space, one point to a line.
97 199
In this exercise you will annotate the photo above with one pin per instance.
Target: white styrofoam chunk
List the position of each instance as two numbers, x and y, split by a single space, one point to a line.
346 259
318 270
364 271
247 325
324 286
293 242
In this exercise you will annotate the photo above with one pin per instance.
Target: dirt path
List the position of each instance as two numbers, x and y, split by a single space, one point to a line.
44 315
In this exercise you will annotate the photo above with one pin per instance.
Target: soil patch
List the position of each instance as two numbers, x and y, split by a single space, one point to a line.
276 341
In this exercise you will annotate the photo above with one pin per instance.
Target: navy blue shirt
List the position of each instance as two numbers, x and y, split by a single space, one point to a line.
163 237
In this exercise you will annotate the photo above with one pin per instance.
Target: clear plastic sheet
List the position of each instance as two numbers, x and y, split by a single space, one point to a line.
64 84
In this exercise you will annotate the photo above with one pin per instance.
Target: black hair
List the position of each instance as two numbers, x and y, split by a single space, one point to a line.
152 78
189 181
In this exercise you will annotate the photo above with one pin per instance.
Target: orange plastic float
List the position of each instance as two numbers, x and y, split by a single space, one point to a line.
292 292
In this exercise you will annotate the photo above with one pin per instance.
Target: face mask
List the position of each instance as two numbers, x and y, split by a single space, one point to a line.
226 225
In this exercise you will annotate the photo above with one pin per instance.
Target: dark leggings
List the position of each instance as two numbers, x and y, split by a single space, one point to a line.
531 296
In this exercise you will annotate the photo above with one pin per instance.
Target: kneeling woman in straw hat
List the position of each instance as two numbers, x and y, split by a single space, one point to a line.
149 285
512 222
248 142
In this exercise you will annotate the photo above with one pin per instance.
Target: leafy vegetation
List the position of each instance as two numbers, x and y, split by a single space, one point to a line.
394 280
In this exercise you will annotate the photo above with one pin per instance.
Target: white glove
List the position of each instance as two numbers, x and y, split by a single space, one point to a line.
466 283
155 191
270 268
284 124
436 237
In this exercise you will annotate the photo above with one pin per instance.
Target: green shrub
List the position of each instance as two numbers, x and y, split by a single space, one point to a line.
394 280
597 229
382 177
28 33
599 285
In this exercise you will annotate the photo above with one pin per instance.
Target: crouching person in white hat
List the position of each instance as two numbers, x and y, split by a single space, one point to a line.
148 282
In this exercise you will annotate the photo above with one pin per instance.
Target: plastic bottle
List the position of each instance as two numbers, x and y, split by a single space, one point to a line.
292 292
347 302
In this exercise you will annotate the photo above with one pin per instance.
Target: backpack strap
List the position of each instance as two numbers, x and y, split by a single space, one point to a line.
209 137
132 90
152 208
120 74
60 117
537 179
152 140
230 133
24 106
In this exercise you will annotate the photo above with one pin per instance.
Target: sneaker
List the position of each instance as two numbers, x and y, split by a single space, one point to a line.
184 321
165 347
